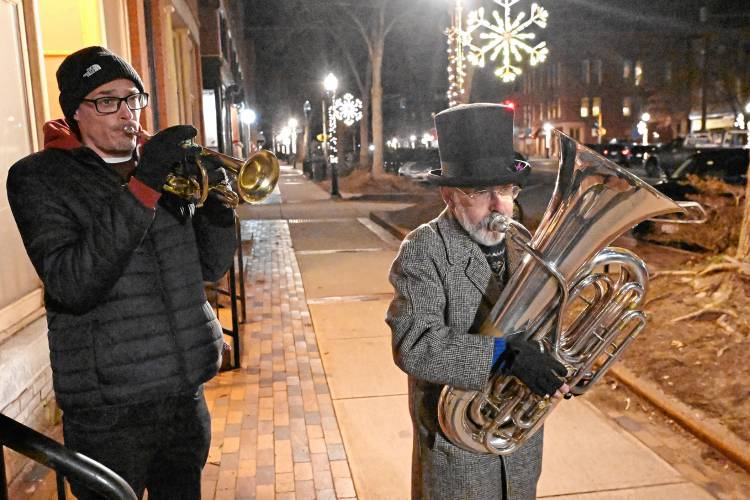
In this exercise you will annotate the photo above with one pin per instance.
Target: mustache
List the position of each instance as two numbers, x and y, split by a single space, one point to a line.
486 221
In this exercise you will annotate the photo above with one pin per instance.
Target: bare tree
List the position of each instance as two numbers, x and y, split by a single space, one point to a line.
371 21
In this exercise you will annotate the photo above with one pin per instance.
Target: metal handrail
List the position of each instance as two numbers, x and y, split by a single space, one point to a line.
66 462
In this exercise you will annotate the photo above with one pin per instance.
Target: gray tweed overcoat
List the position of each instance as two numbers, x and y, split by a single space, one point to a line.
443 289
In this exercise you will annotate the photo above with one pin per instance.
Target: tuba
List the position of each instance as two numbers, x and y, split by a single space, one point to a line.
255 178
594 201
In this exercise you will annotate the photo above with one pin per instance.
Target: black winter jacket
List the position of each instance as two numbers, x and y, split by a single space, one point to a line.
128 318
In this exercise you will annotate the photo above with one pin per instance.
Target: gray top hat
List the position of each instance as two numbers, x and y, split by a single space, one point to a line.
476 147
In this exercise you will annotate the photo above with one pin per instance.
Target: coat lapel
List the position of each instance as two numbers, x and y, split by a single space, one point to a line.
464 251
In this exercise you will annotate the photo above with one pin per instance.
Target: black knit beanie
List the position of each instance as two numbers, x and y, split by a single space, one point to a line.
84 70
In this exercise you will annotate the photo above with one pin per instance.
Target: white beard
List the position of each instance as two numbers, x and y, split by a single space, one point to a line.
479 232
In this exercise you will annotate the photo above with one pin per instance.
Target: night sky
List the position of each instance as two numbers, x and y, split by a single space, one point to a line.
295 48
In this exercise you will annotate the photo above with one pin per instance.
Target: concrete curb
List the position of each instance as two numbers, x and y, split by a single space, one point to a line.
709 430
397 231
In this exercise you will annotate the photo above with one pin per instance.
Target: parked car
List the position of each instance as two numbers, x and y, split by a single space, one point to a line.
420 163
663 160
638 151
617 152
727 164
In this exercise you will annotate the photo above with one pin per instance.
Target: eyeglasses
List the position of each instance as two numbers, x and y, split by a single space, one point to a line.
109 105
485 194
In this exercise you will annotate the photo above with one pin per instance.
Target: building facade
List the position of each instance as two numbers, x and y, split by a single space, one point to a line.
597 85
163 40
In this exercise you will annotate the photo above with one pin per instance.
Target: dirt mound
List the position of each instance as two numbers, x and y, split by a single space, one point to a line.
360 181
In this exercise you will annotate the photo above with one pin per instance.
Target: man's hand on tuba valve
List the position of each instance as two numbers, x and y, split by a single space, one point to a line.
538 370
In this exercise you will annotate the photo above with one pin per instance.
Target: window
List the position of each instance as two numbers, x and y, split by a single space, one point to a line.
575 133
638 73
627 69
596 106
627 106
586 71
598 71
584 107
20 294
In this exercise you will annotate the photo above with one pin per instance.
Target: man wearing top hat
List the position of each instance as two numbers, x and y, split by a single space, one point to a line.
132 338
447 276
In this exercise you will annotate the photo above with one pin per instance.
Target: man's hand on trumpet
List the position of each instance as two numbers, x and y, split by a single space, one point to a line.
161 153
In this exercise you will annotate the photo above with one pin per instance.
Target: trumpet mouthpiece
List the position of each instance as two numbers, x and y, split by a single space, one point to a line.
130 130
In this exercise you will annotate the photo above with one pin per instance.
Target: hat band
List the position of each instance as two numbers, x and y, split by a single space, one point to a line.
482 168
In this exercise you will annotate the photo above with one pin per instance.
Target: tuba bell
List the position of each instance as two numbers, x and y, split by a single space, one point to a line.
594 201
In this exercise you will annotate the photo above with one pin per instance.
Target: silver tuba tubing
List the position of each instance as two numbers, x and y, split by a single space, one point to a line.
594 201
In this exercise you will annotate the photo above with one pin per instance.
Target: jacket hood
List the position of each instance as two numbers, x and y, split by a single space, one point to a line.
58 135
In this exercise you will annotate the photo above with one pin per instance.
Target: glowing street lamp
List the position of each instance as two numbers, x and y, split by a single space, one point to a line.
248 116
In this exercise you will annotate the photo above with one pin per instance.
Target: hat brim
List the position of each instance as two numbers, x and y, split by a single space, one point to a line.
511 176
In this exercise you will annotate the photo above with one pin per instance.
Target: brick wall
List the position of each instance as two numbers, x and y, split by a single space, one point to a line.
33 401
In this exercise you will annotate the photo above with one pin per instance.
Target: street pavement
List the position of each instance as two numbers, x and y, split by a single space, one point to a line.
318 408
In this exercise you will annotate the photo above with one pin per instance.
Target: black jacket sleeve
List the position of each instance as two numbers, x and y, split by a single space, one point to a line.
78 251
216 237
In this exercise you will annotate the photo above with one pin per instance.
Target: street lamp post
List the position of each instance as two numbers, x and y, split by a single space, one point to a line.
330 84
547 137
248 117
306 110
643 127
293 134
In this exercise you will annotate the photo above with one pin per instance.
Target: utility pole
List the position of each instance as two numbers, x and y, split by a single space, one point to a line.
703 16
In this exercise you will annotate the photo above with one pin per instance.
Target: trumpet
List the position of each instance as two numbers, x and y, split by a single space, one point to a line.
255 178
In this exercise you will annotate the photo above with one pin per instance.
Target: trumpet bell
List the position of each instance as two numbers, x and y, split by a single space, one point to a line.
258 176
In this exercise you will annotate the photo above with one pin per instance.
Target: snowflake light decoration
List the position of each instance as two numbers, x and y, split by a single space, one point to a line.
506 37
348 109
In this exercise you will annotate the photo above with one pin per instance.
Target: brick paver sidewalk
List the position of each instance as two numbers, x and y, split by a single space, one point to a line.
275 434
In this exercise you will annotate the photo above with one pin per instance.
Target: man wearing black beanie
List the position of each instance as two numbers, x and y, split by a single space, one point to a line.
132 339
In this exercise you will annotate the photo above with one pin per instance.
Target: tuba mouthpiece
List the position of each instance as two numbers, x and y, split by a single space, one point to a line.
499 223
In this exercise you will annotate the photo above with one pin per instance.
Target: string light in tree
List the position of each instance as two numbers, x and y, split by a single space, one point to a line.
506 37
456 59
333 156
348 109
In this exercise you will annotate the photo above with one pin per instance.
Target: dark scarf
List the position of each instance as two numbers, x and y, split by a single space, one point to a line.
496 258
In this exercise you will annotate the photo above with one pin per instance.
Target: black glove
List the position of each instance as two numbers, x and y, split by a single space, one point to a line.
160 154
538 370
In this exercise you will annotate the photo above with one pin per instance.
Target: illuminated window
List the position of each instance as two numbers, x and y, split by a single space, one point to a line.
596 106
627 106
584 107
638 73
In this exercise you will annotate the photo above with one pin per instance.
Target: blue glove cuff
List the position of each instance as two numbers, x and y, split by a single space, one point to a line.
499 349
